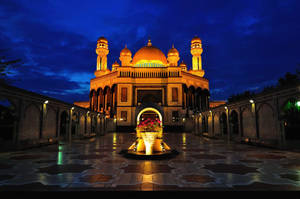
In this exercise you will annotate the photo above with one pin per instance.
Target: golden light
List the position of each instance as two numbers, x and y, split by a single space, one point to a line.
149 140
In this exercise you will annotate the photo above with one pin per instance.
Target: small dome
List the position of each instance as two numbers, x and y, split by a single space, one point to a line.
173 51
182 64
102 39
149 53
125 51
196 39
115 64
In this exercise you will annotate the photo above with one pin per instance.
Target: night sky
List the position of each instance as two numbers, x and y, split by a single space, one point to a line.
247 45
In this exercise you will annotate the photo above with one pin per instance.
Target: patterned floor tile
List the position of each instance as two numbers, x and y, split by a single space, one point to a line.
202 164
230 168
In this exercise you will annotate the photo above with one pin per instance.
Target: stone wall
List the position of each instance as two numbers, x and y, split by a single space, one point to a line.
41 120
258 123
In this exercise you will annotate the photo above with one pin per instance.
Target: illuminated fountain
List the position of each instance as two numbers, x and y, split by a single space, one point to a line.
149 142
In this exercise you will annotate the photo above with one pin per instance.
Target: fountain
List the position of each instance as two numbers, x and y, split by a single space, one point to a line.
149 142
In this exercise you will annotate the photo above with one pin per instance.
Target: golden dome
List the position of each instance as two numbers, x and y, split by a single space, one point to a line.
125 51
149 53
102 39
173 51
182 64
116 64
196 39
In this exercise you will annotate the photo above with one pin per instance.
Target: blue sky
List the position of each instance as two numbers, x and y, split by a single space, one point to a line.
247 44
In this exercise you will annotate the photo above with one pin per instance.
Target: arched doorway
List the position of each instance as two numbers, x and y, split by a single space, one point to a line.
291 119
233 123
148 113
204 129
75 121
223 124
7 121
64 124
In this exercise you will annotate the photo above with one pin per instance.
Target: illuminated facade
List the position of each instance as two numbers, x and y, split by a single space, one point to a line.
149 79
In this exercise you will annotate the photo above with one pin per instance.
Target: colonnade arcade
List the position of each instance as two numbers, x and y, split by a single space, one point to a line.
104 100
195 99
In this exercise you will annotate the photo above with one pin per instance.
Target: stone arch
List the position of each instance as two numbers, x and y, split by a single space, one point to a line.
88 123
82 124
50 122
204 124
93 100
100 99
8 120
266 121
93 123
248 122
223 123
234 122
75 124
191 97
216 121
198 94
64 124
205 99
31 123
107 98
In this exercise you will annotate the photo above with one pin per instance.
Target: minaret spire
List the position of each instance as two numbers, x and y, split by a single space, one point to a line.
149 42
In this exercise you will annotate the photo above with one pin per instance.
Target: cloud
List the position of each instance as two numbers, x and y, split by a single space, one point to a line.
246 43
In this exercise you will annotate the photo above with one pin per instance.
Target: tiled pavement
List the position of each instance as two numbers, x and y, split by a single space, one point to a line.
202 164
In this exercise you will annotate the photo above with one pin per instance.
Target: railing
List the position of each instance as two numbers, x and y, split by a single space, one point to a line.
149 74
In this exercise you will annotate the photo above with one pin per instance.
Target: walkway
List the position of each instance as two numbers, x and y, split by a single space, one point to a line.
203 164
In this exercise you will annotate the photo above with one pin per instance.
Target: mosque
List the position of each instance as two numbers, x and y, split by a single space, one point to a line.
148 84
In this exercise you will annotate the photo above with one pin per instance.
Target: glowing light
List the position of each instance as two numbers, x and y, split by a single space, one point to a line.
60 156
251 101
72 108
298 103
225 107
46 102
149 139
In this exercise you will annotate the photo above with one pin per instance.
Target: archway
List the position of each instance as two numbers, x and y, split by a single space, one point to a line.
223 124
7 120
64 124
291 119
233 122
204 129
150 113
75 121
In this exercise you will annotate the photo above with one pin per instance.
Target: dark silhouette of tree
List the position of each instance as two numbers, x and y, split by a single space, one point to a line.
288 80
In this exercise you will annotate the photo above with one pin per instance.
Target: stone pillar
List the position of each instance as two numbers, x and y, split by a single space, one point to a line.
227 123
70 126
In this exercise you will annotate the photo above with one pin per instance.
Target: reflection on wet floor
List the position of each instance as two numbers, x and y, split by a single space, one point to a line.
202 164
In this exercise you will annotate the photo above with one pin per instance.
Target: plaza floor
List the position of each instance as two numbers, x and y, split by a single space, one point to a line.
202 164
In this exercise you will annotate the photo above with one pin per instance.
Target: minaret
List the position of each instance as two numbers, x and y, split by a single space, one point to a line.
102 52
196 51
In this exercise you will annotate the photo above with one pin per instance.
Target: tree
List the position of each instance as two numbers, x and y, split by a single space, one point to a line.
289 80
